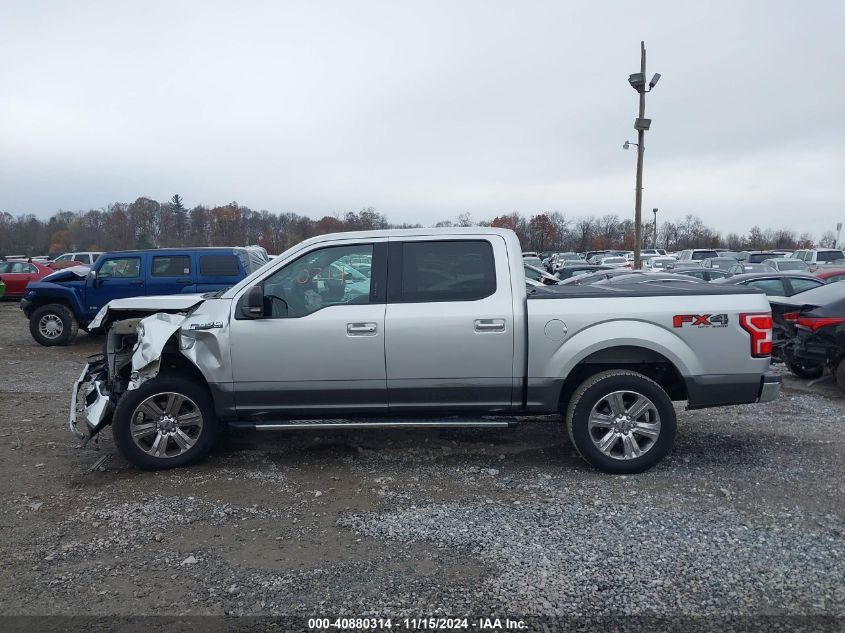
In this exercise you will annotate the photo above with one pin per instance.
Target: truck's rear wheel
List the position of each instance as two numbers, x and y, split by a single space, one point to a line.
621 422
167 422
53 324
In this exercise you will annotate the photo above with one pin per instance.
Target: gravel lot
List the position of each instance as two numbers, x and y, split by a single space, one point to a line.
746 517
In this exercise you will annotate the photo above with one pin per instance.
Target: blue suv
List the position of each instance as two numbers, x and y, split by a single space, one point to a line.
60 303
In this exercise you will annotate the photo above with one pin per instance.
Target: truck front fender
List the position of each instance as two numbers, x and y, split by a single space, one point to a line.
197 337
44 292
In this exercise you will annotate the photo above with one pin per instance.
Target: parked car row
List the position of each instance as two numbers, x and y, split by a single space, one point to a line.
776 276
808 303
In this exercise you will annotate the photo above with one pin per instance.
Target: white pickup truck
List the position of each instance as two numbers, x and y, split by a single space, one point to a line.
421 328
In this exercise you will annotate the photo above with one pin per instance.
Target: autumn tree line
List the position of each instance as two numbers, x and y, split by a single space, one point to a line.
146 223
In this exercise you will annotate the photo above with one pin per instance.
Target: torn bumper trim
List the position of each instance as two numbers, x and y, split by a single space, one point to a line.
73 396
96 409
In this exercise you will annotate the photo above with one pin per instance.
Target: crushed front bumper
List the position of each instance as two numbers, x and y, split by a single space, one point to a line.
94 407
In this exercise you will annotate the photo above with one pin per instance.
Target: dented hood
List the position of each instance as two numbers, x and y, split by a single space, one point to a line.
162 303
72 273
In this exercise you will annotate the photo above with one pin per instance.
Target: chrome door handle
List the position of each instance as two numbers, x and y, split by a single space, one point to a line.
489 325
361 329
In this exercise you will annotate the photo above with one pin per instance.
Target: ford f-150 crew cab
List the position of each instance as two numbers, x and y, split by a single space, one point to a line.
421 328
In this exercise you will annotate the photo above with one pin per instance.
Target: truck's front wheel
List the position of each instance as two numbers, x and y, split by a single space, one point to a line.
166 423
621 422
53 324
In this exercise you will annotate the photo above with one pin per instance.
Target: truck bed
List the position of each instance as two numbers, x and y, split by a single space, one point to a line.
596 291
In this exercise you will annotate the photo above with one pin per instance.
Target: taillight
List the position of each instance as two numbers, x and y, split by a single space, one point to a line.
814 323
791 317
759 326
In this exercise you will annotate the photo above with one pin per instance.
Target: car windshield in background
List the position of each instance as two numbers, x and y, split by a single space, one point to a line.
613 260
750 268
757 258
787 264
720 262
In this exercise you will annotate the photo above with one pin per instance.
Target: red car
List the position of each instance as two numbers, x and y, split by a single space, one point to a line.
17 274
830 275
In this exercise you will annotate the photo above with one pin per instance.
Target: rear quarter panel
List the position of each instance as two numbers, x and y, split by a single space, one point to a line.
599 323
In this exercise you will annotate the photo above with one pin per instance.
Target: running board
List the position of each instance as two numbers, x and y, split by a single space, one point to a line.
374 423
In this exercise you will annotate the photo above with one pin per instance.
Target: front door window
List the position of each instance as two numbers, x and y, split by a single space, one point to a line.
336 275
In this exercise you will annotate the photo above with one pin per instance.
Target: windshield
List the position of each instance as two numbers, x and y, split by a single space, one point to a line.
787 264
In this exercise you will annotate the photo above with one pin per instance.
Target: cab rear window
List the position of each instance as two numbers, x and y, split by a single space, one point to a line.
219 266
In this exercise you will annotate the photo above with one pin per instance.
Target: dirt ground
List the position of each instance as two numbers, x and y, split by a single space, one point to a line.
747 516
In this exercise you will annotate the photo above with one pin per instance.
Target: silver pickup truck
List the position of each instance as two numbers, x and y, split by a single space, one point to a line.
420 328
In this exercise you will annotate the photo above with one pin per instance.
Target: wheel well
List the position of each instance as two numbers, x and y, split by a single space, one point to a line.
172 359
40 302
645 361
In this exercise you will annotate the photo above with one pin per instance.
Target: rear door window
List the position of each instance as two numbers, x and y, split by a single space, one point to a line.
459 270
219 266
171 266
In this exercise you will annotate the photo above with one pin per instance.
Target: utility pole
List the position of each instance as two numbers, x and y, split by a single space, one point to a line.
637 81
638 209
655 227
838 231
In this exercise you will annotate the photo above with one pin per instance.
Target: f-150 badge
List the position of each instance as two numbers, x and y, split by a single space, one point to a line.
206 326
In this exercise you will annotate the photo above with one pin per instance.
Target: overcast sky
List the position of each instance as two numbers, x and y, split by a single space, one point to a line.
427 109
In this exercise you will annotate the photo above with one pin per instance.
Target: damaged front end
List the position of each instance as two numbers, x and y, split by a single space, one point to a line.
134 349
138 347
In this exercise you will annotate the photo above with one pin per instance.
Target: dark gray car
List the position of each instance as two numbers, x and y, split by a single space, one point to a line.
775 284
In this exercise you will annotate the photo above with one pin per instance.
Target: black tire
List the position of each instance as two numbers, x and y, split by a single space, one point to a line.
166 383
809 371
61 317
593 393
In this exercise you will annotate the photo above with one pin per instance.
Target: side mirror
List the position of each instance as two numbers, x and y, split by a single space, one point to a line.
253 306
94 280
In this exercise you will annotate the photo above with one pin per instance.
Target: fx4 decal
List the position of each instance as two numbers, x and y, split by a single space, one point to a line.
700 320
